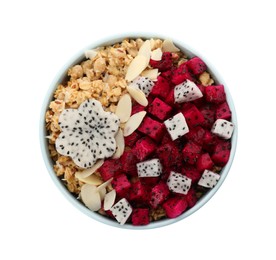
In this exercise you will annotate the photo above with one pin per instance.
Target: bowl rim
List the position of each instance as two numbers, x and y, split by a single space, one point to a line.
61 75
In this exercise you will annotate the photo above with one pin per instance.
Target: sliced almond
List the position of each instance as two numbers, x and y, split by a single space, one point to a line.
169 46
123 109
156 54
151 74
102 194
90 54
92 179
90 197
134 122
109 200
104 185
89 171
120 142
145 50
138 95
137 65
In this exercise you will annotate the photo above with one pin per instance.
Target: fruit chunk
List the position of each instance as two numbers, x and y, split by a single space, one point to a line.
223 111
186 92
121 211
134 122
121 184
159 194
109 169
191 198
179 183
138 192
128 162
223 128
176 126
182 73
215 94
191 152
209 116
204 162
196 65
152 128
192 173
221 153
143 148
140 217
164 64
150 168
209 179
169 155
174 207
161 88
196 135
131 140
193 116
159 109
142 83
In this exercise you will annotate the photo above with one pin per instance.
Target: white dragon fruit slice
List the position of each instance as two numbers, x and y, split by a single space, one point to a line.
223 128
179 183
209 179
186 91
177 126
121 211
150 168
142 83
87 133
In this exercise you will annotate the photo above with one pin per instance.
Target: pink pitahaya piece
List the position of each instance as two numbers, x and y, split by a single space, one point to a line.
140 216
215 94
193 116
152 128
161 88
121 184
196 65
181 74
143 148
160 109
223 111
174 207
204 162
221 153
165 63
159 194
191 152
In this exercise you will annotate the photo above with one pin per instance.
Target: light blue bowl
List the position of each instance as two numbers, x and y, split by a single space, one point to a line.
44 144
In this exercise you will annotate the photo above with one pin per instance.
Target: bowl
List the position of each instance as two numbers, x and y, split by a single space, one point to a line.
61 75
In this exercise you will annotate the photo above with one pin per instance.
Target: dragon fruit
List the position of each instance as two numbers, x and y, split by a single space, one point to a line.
137 108
192 173
191 152
221 152
121 211
121 184
209 179
215 94
223 128
223 111
179 183
161 88
175 206
131 140
142 83
109 168
152 128
177 126
193 116
196 65
159 194
138 192
169 155
186 91
164 64
128 161
88 133
209 141
150 168
191 198
159 109
170 98
204 162
196 135
181 74
208 113
140 217
143 148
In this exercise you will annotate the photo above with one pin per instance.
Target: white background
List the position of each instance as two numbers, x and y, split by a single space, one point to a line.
38 37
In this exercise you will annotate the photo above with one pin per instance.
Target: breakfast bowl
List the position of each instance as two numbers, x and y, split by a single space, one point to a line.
138 131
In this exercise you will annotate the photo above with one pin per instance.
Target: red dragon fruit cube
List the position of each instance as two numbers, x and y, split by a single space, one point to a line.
223 111
160 109
143 148
221 153
196 65
152 128
137 108
169 155
204 162
192 173
175 206
138 192
182 73
140 216
159 194
191 198
161 88
191 152
215 94
121 184
170 98
196 135
109 169
128 161
209 116
164 64
131 140
193 117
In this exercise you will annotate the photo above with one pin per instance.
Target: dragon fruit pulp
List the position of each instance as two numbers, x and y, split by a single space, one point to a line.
143 83
121 211
196 65
137 108
138 192
223 111
152 128
128 161
181 74
193 116
221 153
204 162
179 183
215 94
196 135
109 169
208 113
140 216
87 133
165 63
159 194
121 184
161 88
175 206
192 173
143 148
186 91
160 109
191 152
131 140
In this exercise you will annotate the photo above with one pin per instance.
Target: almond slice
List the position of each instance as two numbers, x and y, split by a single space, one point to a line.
169 46
104 185
120 142
90 54
89 171
92 179
156 54
90 197
109 200
102 194
138 95
145 50
151 74
134 122
123 109
137 65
